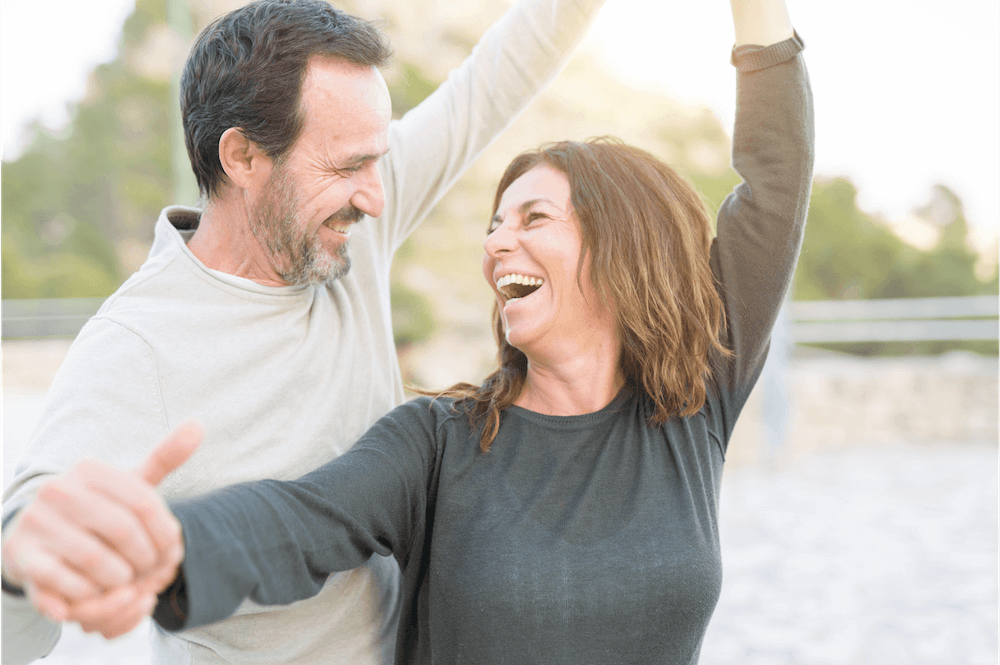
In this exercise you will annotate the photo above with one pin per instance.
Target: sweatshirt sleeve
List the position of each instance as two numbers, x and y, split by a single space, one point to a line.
761 223
103 403
275 542
433 144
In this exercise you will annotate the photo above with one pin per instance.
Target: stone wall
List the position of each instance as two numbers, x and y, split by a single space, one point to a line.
838 401
835 400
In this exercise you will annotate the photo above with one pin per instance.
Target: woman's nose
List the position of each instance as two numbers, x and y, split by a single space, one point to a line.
499 241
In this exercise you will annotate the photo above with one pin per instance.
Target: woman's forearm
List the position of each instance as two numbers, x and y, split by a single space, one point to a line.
761 22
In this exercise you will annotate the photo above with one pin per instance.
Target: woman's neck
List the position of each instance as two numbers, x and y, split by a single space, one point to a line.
582 385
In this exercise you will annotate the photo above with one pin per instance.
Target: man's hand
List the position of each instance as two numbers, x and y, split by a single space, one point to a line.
97 544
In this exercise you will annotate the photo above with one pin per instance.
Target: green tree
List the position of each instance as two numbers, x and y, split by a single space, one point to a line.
848 254
70 202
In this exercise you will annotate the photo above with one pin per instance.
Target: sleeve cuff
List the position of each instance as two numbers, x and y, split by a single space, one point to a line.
750 57
10 589
171 610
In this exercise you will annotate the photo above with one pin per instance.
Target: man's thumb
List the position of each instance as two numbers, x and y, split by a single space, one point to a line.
173 451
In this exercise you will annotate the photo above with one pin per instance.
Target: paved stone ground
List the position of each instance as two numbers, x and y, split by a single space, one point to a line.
884 555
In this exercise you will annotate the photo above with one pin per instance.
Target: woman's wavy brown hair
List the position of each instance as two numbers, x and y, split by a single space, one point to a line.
649 236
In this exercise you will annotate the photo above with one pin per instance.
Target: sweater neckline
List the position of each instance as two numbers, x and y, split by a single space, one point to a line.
614 407
181 223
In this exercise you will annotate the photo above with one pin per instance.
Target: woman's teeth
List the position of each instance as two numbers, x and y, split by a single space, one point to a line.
518 279
514 287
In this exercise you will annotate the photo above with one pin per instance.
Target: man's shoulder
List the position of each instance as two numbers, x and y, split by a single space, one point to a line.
147 292
170 283
160 269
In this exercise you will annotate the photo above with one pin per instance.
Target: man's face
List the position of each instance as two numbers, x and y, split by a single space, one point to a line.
297 256
329 180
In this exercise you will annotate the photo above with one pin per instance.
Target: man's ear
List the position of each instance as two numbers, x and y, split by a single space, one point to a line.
243 161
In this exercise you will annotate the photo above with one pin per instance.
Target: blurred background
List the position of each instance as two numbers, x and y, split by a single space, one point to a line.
860 506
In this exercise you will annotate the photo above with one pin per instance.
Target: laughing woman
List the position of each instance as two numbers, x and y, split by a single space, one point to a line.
566 510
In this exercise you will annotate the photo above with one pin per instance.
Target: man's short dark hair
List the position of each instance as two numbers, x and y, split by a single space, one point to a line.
246 70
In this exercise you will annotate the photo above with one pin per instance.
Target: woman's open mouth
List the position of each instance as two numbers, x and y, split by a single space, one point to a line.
514 286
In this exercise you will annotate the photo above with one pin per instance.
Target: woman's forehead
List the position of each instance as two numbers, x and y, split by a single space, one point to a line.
539 183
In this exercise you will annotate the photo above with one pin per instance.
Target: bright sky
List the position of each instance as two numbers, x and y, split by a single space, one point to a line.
907 93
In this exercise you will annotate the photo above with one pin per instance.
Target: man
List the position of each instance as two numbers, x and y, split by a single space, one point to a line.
266 315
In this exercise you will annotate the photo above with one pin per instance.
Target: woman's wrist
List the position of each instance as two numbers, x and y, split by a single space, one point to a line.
760 22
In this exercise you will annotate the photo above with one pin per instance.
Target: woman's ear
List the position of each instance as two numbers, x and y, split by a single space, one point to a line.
243 161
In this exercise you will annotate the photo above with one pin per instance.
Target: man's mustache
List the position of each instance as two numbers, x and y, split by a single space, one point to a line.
348 213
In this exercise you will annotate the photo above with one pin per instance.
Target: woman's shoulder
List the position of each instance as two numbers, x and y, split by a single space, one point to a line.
435 411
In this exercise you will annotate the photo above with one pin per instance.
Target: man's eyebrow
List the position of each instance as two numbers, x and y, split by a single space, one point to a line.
366 157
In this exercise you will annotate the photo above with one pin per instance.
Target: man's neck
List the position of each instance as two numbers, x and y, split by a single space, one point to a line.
223 241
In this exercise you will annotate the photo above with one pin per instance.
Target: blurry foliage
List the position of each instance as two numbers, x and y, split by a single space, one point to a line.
847 254
408 86
72 203
412 316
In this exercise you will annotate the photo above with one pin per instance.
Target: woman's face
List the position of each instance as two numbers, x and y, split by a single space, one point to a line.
532 253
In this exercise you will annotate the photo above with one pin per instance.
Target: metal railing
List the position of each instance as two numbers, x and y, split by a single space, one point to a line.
837 321
897 320
56 317
903 319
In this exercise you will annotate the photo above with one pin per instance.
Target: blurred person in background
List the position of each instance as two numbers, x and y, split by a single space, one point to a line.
566 510
265 313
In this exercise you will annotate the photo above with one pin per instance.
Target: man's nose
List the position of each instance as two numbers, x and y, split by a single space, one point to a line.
369 195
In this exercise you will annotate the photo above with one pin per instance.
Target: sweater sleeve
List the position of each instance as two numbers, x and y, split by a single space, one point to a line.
761 223
103 403
275 542
438 140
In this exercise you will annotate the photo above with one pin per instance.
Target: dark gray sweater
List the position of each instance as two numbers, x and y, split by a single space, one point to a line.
580 539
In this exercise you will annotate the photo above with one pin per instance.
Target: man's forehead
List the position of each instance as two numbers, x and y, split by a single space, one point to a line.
339 82
347 110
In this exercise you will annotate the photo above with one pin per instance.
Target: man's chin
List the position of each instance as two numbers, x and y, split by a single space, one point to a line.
339 268
325 268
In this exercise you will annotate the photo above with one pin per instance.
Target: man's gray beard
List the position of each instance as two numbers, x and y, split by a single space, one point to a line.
299 259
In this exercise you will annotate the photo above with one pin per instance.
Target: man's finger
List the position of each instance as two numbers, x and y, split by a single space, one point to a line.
114 613
48 604
92 530
54 555
173 451
159 578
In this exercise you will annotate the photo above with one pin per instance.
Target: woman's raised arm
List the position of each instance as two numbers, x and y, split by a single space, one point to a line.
761 223
760 22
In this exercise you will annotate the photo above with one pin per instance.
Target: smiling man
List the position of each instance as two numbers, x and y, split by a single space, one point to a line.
300 207
265 313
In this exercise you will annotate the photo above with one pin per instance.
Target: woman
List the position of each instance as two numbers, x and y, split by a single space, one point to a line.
566 509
